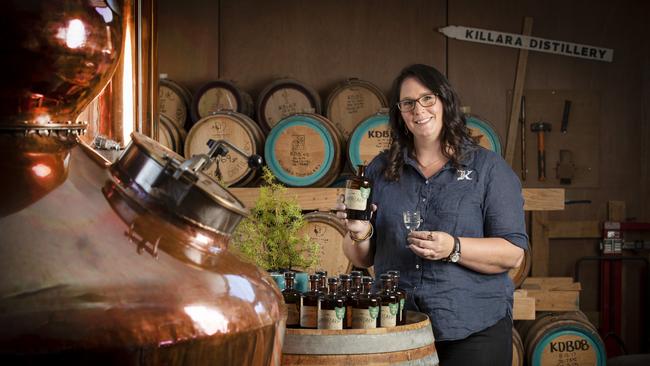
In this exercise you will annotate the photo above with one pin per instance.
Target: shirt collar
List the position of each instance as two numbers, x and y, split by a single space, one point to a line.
465 161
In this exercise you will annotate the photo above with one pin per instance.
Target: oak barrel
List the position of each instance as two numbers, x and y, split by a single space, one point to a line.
170 135
555 338
518 354
239 130
353 101
409 344
368 139
174 101
488 136
283 98
328 231
304 150
519 274
220 95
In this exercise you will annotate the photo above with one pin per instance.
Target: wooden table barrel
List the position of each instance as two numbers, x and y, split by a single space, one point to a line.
567 337
351 102
410 344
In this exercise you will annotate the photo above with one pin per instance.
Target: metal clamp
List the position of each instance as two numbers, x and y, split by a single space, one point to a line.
141 243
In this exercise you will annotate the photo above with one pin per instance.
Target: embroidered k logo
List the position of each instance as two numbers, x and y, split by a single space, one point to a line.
464 175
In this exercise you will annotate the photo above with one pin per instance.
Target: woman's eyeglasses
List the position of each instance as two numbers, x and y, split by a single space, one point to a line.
408 105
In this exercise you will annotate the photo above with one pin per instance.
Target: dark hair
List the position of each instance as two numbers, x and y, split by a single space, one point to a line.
455 138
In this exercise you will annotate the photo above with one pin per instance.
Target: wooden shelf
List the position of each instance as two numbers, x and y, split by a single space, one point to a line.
324 199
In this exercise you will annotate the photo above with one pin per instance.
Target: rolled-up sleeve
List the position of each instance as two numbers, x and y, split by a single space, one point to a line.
503 207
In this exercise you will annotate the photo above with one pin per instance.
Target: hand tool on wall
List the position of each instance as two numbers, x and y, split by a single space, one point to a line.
540 128
565 116
565 167
522 122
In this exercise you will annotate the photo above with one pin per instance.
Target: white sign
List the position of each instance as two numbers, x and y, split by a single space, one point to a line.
529 43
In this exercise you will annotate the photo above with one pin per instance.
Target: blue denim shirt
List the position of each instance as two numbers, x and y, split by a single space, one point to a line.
480 199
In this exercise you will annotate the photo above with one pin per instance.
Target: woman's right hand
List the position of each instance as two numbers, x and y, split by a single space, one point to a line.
356 227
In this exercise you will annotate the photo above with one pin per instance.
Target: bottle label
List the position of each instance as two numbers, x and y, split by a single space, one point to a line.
308 316
348 312
293 314
365 318
357 199
331 319
388 316
401 306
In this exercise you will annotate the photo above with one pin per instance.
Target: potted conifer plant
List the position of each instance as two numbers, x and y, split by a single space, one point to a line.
271 235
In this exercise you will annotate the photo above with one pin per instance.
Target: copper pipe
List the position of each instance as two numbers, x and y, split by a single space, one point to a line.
109 115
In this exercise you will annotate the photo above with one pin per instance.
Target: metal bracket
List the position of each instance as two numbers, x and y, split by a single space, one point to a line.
141 243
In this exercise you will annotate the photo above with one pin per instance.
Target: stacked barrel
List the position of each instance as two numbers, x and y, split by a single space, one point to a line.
303 143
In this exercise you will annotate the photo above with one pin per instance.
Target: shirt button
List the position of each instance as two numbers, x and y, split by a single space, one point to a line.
417 266
424 200
426 182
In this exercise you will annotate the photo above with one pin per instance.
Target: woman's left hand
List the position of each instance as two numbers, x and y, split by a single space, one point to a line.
432 245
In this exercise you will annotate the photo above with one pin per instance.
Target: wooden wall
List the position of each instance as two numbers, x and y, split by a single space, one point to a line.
322 42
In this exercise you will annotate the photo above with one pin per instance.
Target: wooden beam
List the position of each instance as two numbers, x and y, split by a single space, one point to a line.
324 199
574 230
539 243
518 91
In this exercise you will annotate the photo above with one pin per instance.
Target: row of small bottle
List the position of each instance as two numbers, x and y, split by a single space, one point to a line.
346 302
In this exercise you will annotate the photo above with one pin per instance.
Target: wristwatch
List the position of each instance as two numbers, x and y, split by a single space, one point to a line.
454 256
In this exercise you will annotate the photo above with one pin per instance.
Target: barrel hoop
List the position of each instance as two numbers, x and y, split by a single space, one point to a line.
424 356
358 344
354 153
274 164
571 330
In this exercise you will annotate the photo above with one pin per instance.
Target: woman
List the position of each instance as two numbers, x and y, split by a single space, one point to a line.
455 268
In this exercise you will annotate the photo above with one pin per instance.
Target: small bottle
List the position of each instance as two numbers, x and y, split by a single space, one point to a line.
332 308
357 195
322 283
345 293
355 287
309 304
401 295
292 300
389 302
365 312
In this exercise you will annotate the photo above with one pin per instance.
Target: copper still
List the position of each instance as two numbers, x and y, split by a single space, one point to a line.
123 263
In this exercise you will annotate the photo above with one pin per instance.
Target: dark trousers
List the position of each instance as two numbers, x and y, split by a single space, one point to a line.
489 347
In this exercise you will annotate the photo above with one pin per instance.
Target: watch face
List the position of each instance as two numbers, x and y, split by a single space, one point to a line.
454 257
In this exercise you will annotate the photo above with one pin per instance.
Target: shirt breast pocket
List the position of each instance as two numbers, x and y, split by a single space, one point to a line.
453 197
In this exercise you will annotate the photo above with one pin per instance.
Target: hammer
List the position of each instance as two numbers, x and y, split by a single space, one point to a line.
540 128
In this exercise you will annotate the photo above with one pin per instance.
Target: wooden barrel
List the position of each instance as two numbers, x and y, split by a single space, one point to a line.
351 102
328 231
368 139
519 274
561 338
488 136
518 354
304 150
283 98
218 96
170 134
173 101
409 344
239 130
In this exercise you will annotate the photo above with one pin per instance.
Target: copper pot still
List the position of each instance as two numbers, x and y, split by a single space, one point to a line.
123 263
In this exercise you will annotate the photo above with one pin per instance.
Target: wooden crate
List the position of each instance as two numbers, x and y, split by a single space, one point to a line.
553 293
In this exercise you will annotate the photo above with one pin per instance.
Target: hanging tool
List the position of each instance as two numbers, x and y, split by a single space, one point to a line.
565 116
539 128
522 122
565 167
